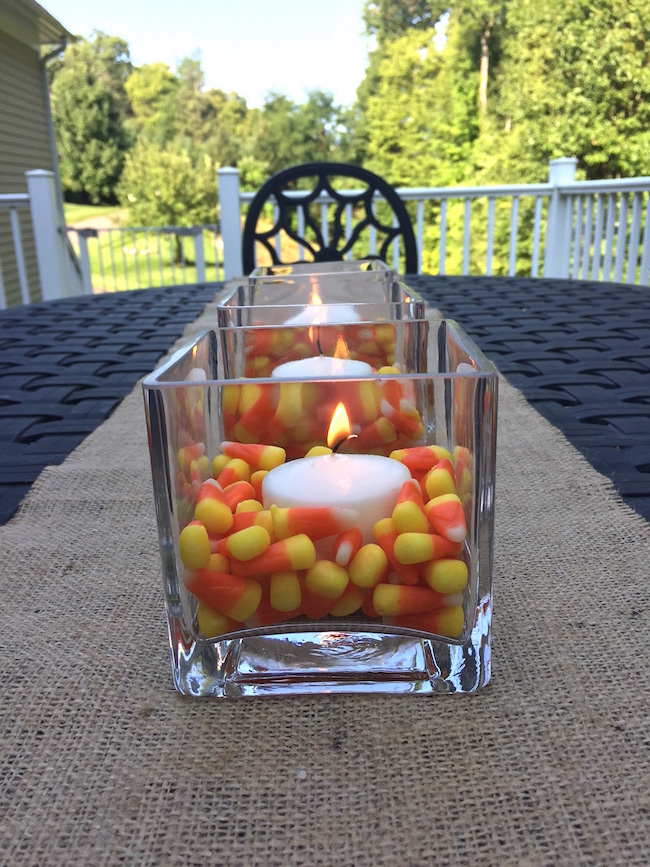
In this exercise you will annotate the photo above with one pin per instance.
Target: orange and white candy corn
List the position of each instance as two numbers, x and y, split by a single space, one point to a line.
318 522
420 457
447 517
262 457
391 600
441 479
234 596
409 515
449 622
237 492
386 535
296 552
346 545
212 508
411 548
236 470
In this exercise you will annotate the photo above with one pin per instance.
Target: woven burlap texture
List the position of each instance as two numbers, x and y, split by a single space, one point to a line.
103 763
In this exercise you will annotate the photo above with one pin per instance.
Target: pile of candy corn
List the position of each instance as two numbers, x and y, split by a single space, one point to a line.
253 567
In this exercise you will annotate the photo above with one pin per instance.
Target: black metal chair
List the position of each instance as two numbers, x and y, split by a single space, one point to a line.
356 215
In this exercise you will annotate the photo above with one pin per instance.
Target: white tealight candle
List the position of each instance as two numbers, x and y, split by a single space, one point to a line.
368 483
324 314
321 366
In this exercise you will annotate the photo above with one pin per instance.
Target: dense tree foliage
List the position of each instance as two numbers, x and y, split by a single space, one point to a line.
455 91
89 107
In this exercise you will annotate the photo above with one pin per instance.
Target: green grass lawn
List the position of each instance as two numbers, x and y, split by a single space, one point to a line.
74 212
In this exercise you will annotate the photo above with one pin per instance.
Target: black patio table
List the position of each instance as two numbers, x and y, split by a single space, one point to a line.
578 351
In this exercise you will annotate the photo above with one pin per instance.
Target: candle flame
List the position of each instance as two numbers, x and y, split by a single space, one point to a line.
339 429
341 350
315 297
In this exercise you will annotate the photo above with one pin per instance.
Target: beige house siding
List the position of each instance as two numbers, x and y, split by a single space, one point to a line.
24 145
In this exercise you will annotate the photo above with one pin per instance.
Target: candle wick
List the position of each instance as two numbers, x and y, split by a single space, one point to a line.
338 444
318 346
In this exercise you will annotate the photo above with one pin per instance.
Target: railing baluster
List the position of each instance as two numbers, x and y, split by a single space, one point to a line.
419 239
609 238
467 228
514 226
443 236
598 239
348 228
111 233
3 297
324 227
172 258
100 258
635 233
160 257
586 244
199 256
278 240
124 262
301 230
18 251
537 235
621 238
577 238
183 259
644 273
146 244
489 249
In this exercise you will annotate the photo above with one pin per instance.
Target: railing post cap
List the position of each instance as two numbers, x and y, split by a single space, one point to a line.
563 161
39 173
228 170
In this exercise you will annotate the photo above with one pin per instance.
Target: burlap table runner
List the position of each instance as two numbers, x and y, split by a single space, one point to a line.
103 763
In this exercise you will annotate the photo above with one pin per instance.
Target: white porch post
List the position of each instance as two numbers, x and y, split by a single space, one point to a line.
557 249
51 249
230 222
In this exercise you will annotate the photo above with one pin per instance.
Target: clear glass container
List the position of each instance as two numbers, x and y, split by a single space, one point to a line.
369 563
258 350
351 267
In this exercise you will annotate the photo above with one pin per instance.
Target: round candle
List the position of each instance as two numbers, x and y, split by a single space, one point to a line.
368 483
321 366
324 314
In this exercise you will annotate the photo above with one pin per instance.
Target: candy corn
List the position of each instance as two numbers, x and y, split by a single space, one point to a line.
234 596
317 523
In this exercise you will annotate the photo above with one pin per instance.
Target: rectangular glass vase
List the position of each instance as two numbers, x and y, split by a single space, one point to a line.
396 597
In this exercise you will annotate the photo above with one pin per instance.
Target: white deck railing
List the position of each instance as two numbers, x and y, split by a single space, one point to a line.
13 204
114 259
589 230
597 230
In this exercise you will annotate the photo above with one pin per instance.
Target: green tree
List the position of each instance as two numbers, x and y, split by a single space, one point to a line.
89 108
421 119
164 187
574 80
148 89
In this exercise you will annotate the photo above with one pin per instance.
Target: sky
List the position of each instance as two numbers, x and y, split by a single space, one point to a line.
249 46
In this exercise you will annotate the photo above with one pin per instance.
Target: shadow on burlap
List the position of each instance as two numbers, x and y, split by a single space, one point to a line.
103 763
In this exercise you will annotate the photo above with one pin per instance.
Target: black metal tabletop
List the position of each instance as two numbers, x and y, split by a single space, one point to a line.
65 365
579 352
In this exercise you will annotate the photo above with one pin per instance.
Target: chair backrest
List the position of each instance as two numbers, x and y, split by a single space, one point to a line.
349 225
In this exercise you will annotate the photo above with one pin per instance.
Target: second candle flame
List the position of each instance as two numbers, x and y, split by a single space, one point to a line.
339 429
